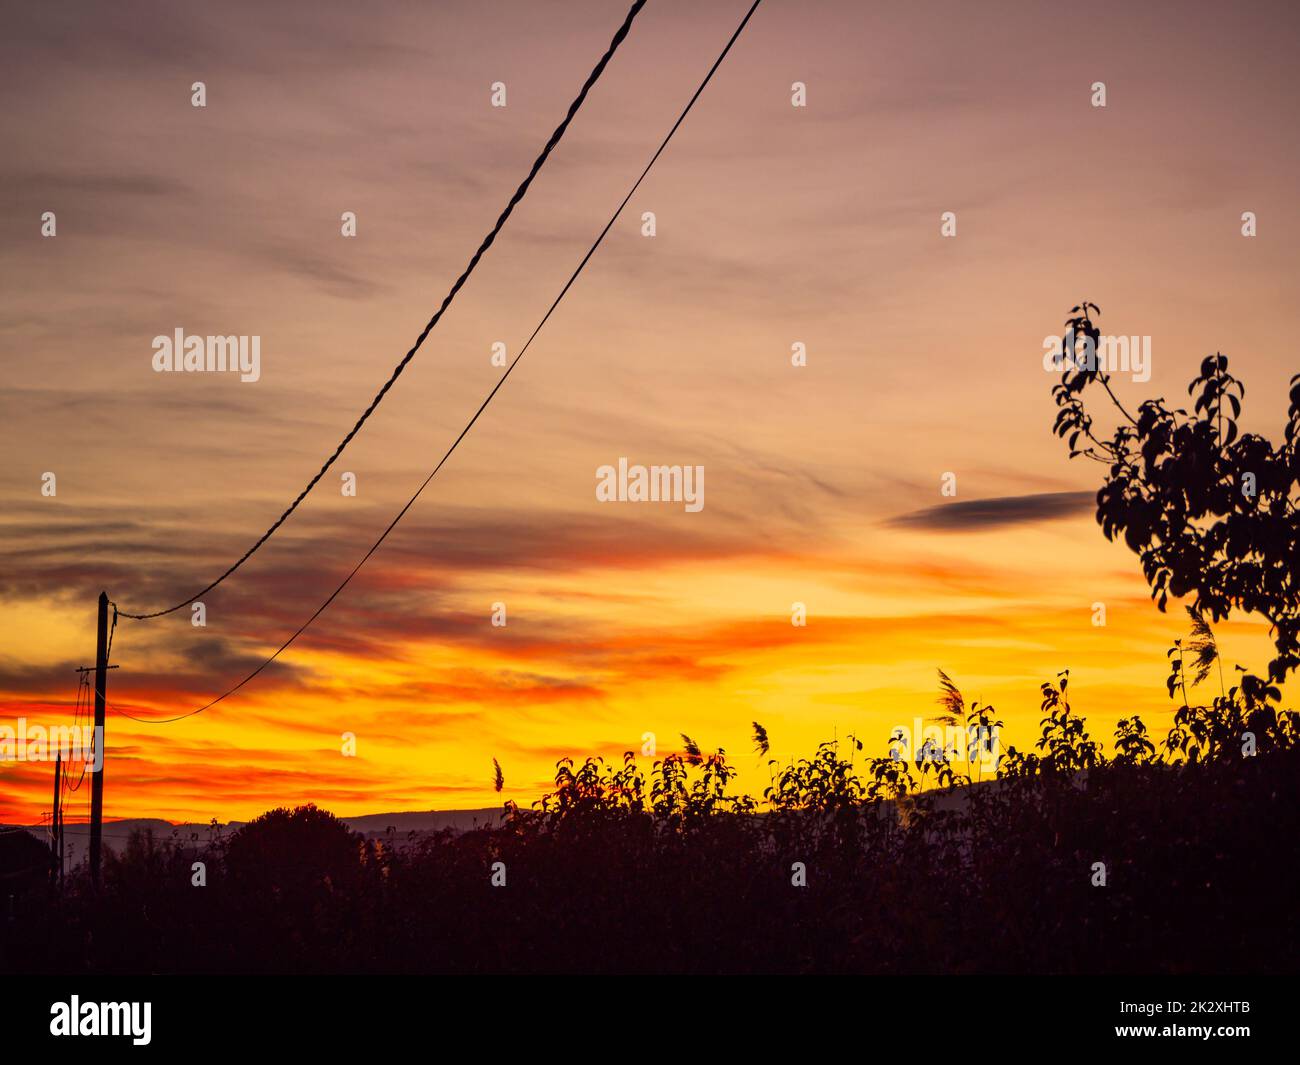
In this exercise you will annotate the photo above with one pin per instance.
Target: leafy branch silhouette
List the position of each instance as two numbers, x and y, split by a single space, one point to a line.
1211 512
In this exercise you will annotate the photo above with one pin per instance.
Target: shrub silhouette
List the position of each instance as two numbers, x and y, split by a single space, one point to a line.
292 879
677 870
299 854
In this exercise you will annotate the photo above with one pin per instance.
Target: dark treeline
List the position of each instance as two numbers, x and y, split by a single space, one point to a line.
845 864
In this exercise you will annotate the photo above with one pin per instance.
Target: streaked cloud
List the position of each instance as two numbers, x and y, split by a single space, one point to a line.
999 511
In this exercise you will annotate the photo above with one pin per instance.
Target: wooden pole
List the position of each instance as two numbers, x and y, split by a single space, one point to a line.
61 847
97 778
56 836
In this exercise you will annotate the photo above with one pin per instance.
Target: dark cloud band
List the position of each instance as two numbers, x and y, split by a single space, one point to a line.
997 511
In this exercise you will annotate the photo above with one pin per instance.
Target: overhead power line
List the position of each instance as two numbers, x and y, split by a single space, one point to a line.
446 302
483 406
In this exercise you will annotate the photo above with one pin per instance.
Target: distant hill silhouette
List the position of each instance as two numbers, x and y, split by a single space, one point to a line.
372 826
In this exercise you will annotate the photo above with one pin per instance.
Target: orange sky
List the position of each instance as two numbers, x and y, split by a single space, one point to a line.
775 225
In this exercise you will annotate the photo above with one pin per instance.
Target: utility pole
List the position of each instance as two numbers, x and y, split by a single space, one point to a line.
56 840
61 850
97 778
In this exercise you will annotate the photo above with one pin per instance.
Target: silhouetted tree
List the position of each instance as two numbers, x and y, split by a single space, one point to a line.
293 854
1211 513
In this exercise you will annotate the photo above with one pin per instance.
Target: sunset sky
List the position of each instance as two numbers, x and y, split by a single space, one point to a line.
775 225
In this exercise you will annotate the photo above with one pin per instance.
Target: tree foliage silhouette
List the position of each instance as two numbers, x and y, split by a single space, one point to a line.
300 853
669 868
1210 511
